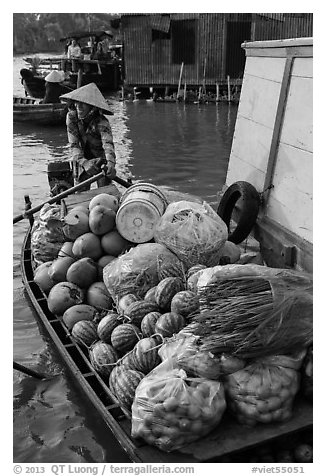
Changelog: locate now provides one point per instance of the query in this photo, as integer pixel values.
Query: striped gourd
(166, 289)
(128, 360)
(84, 332)
(169, 323)
(194, 269)
(106, 326)
(146, 356)
(123, 383)
(124, 337)
(137, 310)
(150, 295)
(125, 301)
(148, 323)
(184, 303)
(103, 357)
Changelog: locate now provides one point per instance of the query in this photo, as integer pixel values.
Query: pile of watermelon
(122, 338)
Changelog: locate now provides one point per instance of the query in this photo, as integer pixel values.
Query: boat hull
(41, 114)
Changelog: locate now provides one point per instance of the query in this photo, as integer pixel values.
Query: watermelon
(123, 383)
(124, 337)
(197, 267)
(84, 332)
(150, 295)
(103, 357)
(166, 289)
(106, 326)
(148, 323)
(169, 323)
(146, 356)
(138, 310)
(185, 303)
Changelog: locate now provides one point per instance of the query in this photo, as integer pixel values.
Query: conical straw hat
(54, 77)
(89, 94)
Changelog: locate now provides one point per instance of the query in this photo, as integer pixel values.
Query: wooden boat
(29, 110)
(277, 244)
(228, 439)
(105, 71)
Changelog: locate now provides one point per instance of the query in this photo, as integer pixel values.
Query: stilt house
(208, 45)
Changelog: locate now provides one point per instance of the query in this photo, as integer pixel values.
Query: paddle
(71, 190)
(27, 371)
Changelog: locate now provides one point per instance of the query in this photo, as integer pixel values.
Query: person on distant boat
(89, 134)
(74, 53)
(53, 88)
(31, 83)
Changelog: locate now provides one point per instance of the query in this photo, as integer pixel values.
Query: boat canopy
(84, 34)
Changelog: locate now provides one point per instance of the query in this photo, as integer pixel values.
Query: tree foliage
(37, 32)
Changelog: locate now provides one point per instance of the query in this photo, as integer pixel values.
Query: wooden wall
(272, 142)
(150, 62)
(274, 26)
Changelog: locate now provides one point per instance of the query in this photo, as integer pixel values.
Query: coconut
(75, 224)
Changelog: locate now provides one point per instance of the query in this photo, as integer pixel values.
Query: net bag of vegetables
(47, 234)
(264, 391)
(193, 231)
(136, 271)
(171, 410)
(186, 349)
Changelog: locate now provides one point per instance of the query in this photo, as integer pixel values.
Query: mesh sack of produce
(47, 235)
(193, 231)
(253, 311)
(171, 410)
(136, 271)
(186, 351)
(263, 392)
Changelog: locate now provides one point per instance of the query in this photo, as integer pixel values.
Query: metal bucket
(141, 207)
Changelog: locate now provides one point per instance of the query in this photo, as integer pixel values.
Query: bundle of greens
(254, 316)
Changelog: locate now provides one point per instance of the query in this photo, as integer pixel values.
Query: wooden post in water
(185, 92)
(217, 92)
(180, 77)
(229, 89)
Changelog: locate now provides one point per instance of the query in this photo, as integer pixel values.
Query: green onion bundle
(252, 317)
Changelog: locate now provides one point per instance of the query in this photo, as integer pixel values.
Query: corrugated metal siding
(150, 62)
(274, 26)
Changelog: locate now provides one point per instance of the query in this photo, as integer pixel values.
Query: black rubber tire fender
(249, 202)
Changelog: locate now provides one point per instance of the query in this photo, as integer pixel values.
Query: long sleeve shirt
(89, 140)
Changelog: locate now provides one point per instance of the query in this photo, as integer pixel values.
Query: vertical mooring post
(217, 92)
(229, 89)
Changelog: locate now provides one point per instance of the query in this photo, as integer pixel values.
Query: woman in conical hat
(53, 88)
(89, 134)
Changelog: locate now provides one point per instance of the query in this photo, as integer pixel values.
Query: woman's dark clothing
(90, 140)
(52, 93)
